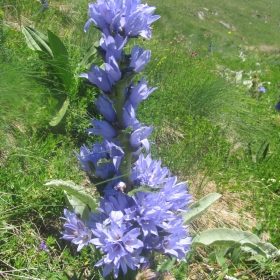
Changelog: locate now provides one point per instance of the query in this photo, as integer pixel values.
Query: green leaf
(235, 256)
(220, 256)
(36, 40)
(144, 189)
(61, 63)
(247, 241)
(199, 207)
(57, 119)
(74, 190)
(167, 265)
(73, 202)
(88, 57)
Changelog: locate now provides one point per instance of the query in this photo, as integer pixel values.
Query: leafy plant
(54, 53)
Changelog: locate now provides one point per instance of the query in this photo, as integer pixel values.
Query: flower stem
(125, 166)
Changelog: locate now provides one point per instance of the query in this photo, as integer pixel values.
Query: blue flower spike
(127, 229)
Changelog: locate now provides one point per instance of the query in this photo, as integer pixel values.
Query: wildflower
(112, 68)
(125, 17)
(89, 158)
(140, 135)
(175, 245)
(148, 172)
(43, 247)
(103, 13)
(115, 152)
(127, 228)
(105, 107)
(229, 32)
(176, 194)
(45, 5)
(102, 128)
(138, 21)
(83, 238)
(277, 107)
(262, 90)
(112, 45)
(119, 243)
(129, 116)
(72, 225)
(100, 78)
(139, 92)
(139, 58)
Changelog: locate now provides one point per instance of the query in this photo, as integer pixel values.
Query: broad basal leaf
(36, 40)
(74, 190)
(247, 241)
(57, 119)
(199, 207)
(61, 63)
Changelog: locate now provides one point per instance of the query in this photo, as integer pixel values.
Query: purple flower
(125, 17)
(176, 194)
(112, 67)
(151, 213)
(126, 228)
(277, 107)
(119, 244)
(102, 128)
(115, 152)
(100, 78)
(72, 225)
(176, 246)
(105, 170)
(262, 89)
(112, 45)
(44, 7)
(129, 116)
(139, 58)
(139, 137)
(105, 107)
(104, 13)
(43, 247)
(83, 238)
(103, 159)
(138, 20)
(89, 158)
(84, 158)
(149, 172)
(139, 93)
(115, 202)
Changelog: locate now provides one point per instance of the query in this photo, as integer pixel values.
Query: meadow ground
(210, 129)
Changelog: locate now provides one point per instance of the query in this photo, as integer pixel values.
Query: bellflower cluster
(127, 229)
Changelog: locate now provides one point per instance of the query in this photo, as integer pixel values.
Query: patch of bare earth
(228, 211)
(264, 49)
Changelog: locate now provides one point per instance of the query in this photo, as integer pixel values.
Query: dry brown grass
(229, 211)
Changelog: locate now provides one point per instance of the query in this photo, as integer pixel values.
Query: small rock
(224, 23)
(201, 15)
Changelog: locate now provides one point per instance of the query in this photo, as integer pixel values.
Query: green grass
(207, 126)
